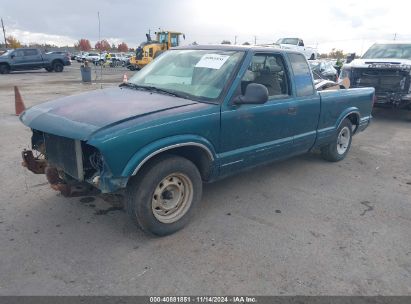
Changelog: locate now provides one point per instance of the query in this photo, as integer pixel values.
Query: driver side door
(255, 133)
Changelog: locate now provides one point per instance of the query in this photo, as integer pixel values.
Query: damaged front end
(71, 166)
(390, 80)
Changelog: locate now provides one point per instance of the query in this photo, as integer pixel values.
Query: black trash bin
(85, 73)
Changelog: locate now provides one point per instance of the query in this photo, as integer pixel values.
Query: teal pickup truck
(195, 114)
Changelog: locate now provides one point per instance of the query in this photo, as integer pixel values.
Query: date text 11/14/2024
(203, 299)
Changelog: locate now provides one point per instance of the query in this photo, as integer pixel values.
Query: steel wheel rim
(172, 198)
(343, 140)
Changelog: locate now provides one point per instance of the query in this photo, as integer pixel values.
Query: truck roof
(229, 47)
(393, 42)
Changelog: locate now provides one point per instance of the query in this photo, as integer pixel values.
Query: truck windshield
(197, 74)
(288, 41)
(6, 53)
(397, 51)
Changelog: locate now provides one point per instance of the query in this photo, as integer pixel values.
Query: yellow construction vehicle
(150, 49)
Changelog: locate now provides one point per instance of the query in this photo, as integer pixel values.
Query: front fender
(164, 144)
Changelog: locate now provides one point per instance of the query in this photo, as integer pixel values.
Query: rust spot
(34, 164)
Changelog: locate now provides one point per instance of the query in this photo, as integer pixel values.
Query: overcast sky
(349, 25)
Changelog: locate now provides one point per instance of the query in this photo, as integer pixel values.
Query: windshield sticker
(212, 61)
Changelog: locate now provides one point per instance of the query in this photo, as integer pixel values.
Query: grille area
(65, 154)
(383, 80)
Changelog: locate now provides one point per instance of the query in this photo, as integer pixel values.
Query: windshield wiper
(154, 89)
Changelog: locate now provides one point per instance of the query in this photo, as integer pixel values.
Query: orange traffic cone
(18, 101)
(125, 78)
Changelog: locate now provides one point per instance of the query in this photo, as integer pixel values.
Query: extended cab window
(302, 75)
(268, 70)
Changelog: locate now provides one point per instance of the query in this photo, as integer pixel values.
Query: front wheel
(4, 69)
(162, 197)
(339, 147)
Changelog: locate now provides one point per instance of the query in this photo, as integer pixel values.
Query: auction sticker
(212, 61)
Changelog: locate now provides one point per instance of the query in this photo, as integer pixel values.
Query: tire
(4, 69)
(49, 69)
(58, 67)
(339, 147)
(312, 57)
(162, 197)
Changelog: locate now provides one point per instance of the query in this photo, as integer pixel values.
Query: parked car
(74, 56)
(195, 114)
(386, 66)
(297, 44)
(32, 59)
(92, 57)
(82, 56)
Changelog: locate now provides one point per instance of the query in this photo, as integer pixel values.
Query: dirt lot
(303, 226)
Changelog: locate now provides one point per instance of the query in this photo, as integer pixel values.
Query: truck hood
(80, 116)
(386, 62)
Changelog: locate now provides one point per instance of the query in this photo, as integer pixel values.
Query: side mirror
(255, 93)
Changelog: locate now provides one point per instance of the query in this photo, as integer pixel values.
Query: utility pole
(99, 39)
(4, 33)
(235, 39)
(255, 40)
(395, 36)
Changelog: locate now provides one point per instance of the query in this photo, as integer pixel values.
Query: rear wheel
(312, 57)
(4, 69)
(58, 67)
(339, 147)
(162, 197)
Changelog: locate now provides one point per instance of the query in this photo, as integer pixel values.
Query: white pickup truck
(298, 45)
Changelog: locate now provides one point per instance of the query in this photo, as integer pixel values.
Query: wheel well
(197, 155)
(5, 63)
(355, 120)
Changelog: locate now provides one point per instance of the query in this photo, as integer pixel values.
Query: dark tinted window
(302, 75)
(30, 52)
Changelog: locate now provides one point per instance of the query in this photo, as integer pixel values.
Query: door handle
(292, 110)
